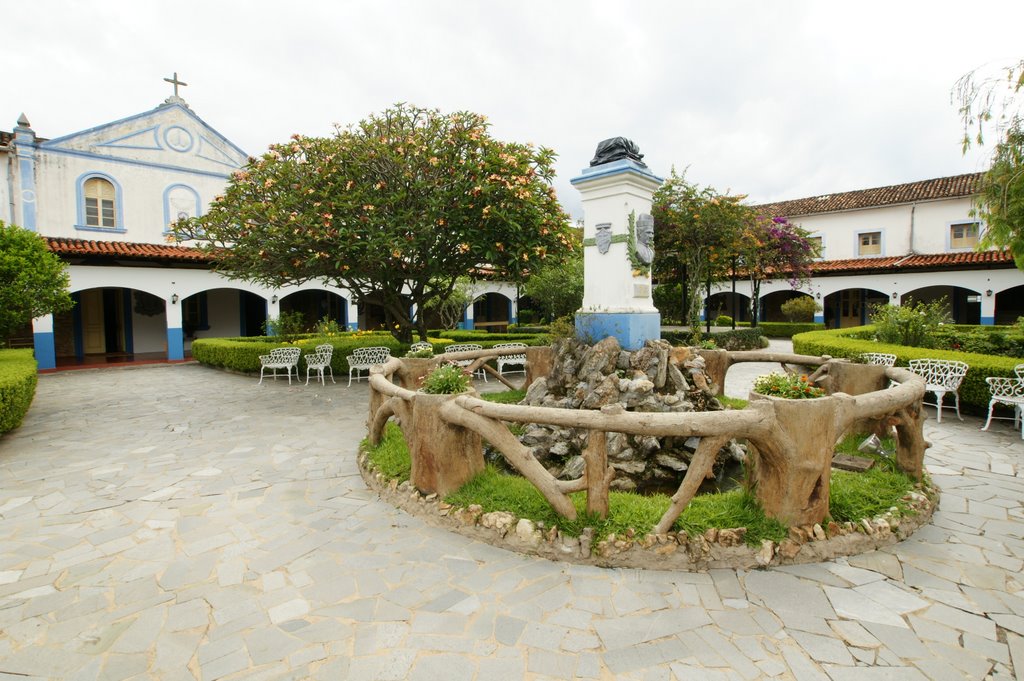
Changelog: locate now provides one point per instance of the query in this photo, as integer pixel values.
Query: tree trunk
(595, 456)
(444, 456)
(410, 376)
(716, 364)
(857, 379)
(792, 463)
(755, 303)
(910, 442)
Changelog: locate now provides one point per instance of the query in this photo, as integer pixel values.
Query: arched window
(100, 203)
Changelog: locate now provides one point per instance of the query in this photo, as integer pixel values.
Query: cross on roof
(175, 82)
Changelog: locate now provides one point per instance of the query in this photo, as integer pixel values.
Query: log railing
(790, 442)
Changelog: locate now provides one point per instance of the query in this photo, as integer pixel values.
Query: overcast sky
(777, 100)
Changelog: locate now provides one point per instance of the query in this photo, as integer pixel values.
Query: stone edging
(673, 551)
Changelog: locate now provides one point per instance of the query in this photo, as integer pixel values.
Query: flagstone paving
(177, 522)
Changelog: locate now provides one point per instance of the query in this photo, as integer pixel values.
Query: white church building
(104, 199)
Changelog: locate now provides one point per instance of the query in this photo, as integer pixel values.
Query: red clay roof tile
(126, 250)
(924, 190)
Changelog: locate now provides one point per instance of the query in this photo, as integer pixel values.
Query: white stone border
(674, 551)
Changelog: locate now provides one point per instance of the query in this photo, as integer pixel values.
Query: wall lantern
(174, 299)
(819, 295)
(988, 293)
(895, 295)
(273, 300)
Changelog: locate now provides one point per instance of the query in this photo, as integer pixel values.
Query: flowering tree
(696, 232)
(770, 247)
(395, 208)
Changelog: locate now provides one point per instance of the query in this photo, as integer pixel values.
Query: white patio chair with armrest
(420, 345)
(879, 358)
(281, 358)
(941, 376)
(516, 360)
(463, 347)
(318, 361)
(1010, 392)
(362, 359)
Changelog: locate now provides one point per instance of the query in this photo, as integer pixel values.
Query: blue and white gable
(170, 136)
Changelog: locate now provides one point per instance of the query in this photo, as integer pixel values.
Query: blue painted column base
(819, 319)
(631, 329)
(175, 344)
(46, 351)
(988, 321)
(353, 326)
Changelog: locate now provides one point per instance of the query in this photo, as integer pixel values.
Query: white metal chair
(879, 358)
(463, 347)
(1008, 391)
(516, 360)
(941, 376)
(362, 359)
(319, 361)
(281, 358)
(420, 345)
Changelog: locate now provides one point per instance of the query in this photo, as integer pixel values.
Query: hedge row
(740, 339)
(488, 340)
(17, 386)
(974, 390)
(243, 354)
(785, 329)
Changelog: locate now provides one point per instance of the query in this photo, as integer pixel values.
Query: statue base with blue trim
(631, 329)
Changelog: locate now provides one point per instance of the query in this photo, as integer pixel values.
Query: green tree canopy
(33, 281)
(395, 208)
(557, 289)
(994, 103)
(698, 229)
(772, 247)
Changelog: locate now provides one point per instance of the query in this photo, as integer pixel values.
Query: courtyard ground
(178, 522)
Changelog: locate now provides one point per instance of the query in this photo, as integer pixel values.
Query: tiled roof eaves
(124, 250)
(957, 186)
(915, 262)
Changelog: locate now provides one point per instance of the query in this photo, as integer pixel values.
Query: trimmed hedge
(17, 386)
(740, 339)
(785, 329)
(489, 340)
(243, 354)
(851, 343)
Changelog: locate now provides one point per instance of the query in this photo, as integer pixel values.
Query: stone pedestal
(617, 297)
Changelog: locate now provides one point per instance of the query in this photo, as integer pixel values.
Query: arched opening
(851, 307)
(1010, 305)
(771, 304)
(491, 312)
(315, 305)
(964, 305)
(111, 325)
(220, 313)
(725, 303)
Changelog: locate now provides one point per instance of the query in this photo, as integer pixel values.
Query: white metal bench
(362, 359)
(516, 360)
(420, 345)
(319, 361)
(281, 358)
(941, 376)
(1010, 392)
(464, 347)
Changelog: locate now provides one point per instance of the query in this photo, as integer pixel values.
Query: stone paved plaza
(178, 522)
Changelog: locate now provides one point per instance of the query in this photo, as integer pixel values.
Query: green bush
(447, 379)
(854, 342)
(17, 387)
(723, 320)
(800, 310)
(785, 329)
(1006, 341)
(909, 324)
(286, 324)
(740, 339)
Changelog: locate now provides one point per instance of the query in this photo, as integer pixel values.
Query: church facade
(104, 199)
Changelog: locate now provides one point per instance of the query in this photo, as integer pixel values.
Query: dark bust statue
(615, 148)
